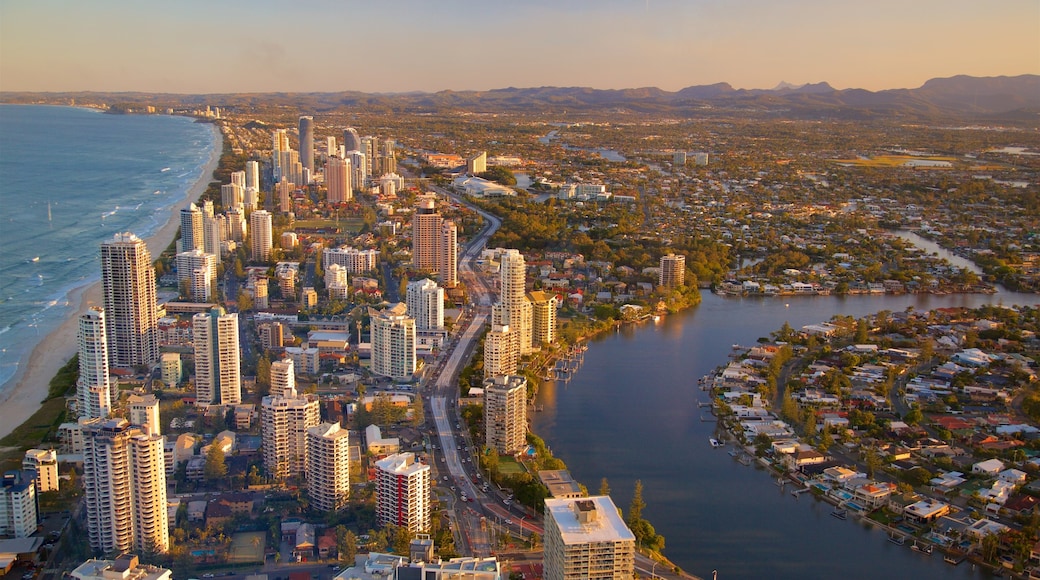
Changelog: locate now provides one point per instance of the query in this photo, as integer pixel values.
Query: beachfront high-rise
(285, 417)
(505, 414)
(124, 482)
(337, 180)
(393, 343)
(45, 463)
(307, 142)
(586, 538)
(18, 515)
(218, 379)
(93, 389)
(673, 270)
(196, 271)
(403, 492)
(261, 235)
(131, 314)
(191, 228)
(328, 466)
(513, 308)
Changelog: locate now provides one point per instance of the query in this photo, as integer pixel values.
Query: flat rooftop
(605, 525)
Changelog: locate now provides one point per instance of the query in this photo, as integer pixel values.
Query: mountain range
(1014, 99)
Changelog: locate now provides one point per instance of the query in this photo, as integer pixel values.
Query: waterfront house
(873, 495)
(926, 511)
(984, 527)
(804, 456)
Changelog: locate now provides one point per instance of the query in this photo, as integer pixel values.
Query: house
(1013, 476)
(984, 527)
(926, 511)
(873, 495)
(238, 503)
(197, 511)
(988, 467)
(217, 514)
(803, 457)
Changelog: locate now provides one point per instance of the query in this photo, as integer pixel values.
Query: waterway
(631, 413)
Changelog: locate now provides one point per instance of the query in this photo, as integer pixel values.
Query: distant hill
(1005, 99)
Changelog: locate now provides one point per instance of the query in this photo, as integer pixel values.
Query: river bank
(30, 381)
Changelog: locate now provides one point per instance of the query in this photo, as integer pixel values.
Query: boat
(35, 259)
(715, 442)
(841, 514)
(896, 539)
(923, 548)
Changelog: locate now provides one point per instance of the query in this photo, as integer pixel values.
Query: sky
(224, 46)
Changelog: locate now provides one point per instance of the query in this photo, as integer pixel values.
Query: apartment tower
(131, 315)
(403, 493)
(261, 233)
(285, 417)
(393, 343)
(191, 228)
(505, 413)
(586, 538)
(425, 303)
(93, 389)
(513, 308)
(218, 379)
(328, 466)
(307, 143)
(673, 271)
(337, 180)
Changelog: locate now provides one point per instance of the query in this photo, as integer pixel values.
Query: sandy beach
(30, 382)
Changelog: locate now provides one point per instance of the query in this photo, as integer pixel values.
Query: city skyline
(234, 46)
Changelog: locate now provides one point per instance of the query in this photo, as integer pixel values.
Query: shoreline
(30, 383)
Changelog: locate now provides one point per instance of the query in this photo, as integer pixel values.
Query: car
(209, 575)
(445, 478)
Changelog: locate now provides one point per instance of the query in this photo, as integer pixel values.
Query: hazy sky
(215, 46)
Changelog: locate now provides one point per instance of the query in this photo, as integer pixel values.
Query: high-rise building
(477, 164)
(218, 379)
(543, 317)
(359, 166)
(448, 255)
(586, 538)
(214, 234)
(673, 270)
(355, 261)
(45, 463)
(271, 335)
(93, 389)
(284, 419)
(191, 228)
(144, 413)
(18, 515)
(172, 369)
(284, 194)
(279, 143)
(131, 314)
(425, 304)
(261, 235)
(426, 233)
(124, 481)
(351, 140)
(403, 492)
(328, 466)
(253, 174)
(196, 271)
(337, 180)
(283, 378)
(501, 351)
(505, 414)
(330, 146)
(232, 195)
(513, 308)
(393, 343)
(307, 142)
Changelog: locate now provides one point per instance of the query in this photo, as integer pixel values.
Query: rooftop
(602, 521)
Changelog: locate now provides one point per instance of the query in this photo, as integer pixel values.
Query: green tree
(604, 487)
(635, 509)
(346, 544)
(215, 469)
(244, 301)
(861, 331)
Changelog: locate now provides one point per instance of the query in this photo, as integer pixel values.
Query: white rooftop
(605, 526)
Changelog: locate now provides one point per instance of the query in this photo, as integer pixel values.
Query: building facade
(403, 492)
(425, 303)
(586, 538)
(261, 235)
(543, 317)
(93, 389)
(191, 228)
(18, 514)
(196, 271)
(393, 343)
(218, 379)
(307, 143)
(673, 271)
(45, 463)
(505, 414)
(131, 314)
(338, 180)
(328, 466)
(285, 418)
(501, 351)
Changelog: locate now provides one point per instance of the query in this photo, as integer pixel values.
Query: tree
(861, 331)
(346, 544)
(913, 416)
(604, 487)
(635, 509)
(244, 301)
(215, 468)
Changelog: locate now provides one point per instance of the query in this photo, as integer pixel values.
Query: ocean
(69, 179)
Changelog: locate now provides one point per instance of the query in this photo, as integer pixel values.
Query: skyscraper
(124, 481)
(393, 343)
(285, 417)
(18, 515)
(513, 307)
(261, 235)
(337, 180)
(586, 538)
(217, 374)
(253, 174)
(425, 302)
(448, 255)
(144, 413)
(191, 228)
(543, 317)
(328, 466)
(131, 315)
(403, 492)
(307, 142)
(351, 140)
(196, 271)
(426, 231)
(505, 413)
(673, 270)
(93, 390)
(501, 351)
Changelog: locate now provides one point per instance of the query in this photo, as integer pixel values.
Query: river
(631, 413)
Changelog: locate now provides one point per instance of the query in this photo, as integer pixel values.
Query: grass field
(508, 466)
(244, 550)
(890, 161)
(351, 224)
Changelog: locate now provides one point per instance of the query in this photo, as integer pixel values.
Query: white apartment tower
(144, 413)
(131, 314)
(393, 343)
(403, 492)
(673, 270)
(284, 420)
(261, 235)
(196, 271)
(543, 317)
(283, 378)
(501, 351)
(18, 515)
(218, 379)
(505, 414)
(93, 389)
(425, 303)
(253, 174)
(214, 234)
(328, 466)
(232, 195)
(124, 481)
(448, 253)
(513, 307)
(45, 463)
(191, 228)
(337, 180)
(586, 538)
